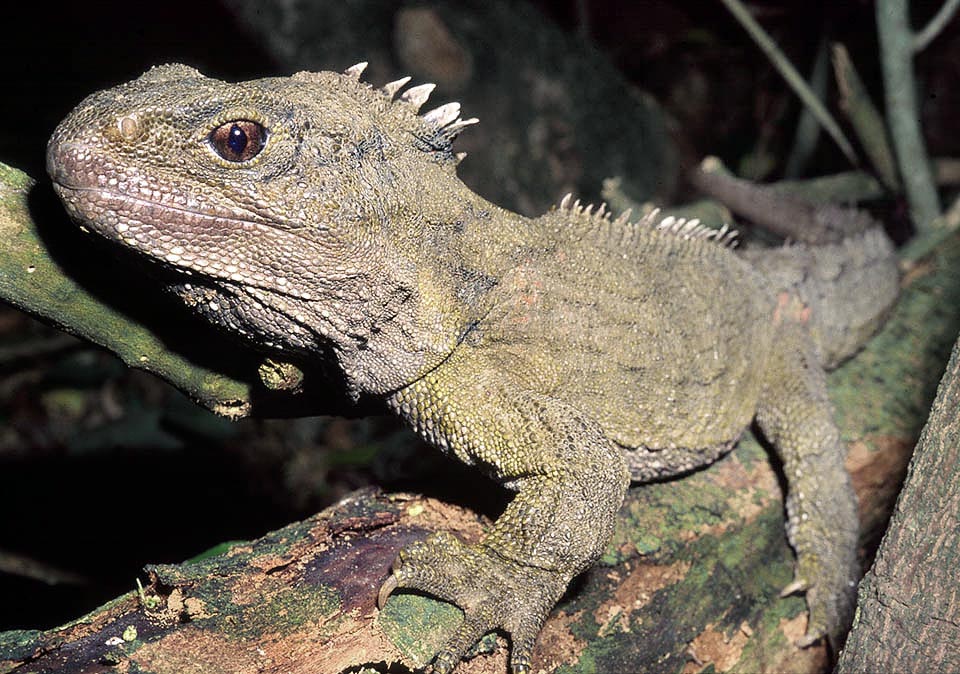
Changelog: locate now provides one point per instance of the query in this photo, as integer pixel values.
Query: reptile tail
(849, 287)
(843, 267)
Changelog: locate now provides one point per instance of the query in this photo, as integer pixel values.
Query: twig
(808, 130)
(896, 54)
(924, 37)
(865, 118)
(793, 78)
(848, 187)
(919, 247)
(775, 209)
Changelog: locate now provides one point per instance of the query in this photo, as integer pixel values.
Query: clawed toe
(389, 585)
(793, 587)
(830, 602)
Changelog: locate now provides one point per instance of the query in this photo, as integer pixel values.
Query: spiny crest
(691, 229)
(444, 120)
(680, 227)
(566, 204)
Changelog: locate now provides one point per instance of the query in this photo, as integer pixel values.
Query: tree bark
(908, 601)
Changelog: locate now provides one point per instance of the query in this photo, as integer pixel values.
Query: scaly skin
(563, 355)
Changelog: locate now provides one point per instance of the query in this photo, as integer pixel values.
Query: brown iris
(238, 141)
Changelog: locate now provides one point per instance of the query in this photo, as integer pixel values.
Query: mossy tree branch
(36, 282)
(42, 267)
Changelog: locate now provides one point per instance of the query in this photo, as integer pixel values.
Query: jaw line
(114, 197)
(187, 272)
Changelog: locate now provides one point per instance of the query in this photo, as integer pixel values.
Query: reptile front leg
(570, 482)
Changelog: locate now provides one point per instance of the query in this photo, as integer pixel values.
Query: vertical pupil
(237, 139)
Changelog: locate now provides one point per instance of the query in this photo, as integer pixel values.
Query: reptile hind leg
(570, 482)
(796, 416)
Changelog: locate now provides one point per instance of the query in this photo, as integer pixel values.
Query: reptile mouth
(96, 204)
(181, 239)
(169, 226)
(101, 190)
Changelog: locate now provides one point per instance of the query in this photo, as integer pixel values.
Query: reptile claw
(808, 640)
(389, 585)
(793, 587)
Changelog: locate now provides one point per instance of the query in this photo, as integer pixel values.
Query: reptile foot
(494, 592)
(830, 598)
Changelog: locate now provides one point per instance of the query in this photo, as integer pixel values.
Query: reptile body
(564, 355)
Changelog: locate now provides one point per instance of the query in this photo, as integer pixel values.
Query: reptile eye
(238, 141)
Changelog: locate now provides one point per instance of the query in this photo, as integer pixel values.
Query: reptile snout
(66, 162)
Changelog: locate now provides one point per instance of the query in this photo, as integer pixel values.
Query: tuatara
(564, 355)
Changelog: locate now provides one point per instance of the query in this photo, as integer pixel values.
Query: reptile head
(281, 201)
